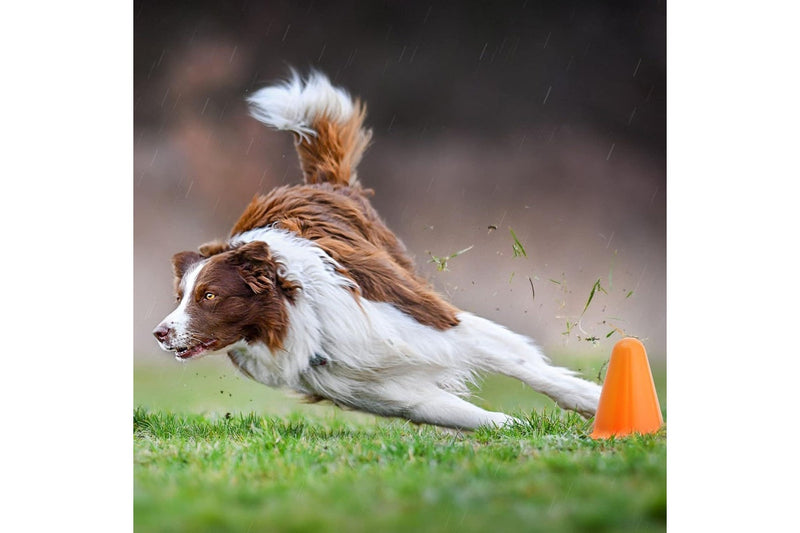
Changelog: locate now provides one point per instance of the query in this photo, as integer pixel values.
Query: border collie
(312, 292)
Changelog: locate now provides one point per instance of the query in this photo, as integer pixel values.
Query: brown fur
(213, 248)
(331, 156)
(180, 264)
(341, 221)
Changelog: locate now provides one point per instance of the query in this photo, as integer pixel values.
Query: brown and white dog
(314, 293)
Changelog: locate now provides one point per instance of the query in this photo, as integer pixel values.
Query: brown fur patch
(333, 154)
(181, 262)
(341, 221)
(213, 248)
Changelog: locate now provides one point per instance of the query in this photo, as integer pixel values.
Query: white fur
(381, 360)
(178, 320)
(294, 104)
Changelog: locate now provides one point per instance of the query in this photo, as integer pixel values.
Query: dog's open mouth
(187, 352)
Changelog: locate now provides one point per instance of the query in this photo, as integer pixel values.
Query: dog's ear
(182, 261)
(213, 248)
(255, 265)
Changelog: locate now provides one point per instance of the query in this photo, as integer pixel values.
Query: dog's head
(226, 294)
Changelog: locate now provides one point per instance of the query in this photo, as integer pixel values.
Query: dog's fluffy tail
(327, 123)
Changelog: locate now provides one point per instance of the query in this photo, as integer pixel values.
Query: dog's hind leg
(560, 384)
(495, 349)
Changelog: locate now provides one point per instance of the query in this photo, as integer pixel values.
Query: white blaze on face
(178, 320)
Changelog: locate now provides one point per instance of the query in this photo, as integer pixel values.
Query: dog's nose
(161, 332)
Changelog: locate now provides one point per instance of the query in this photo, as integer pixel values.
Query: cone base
(625, 433)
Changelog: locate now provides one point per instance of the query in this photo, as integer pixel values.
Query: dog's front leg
(438, 407)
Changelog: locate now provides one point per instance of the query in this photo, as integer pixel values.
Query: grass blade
(517, 247)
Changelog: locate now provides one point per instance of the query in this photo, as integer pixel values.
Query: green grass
(214, 452)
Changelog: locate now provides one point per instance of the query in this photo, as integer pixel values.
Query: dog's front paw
(502, 420)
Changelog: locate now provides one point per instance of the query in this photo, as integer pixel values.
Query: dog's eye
(210, 296)
(178, 298)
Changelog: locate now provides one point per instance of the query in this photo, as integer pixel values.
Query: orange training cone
(628, 401)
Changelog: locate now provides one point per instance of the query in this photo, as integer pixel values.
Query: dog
(312, 291)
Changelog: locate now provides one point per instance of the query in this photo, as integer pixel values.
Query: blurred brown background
(546, 118)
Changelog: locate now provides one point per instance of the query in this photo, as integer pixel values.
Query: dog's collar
(318, 360)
